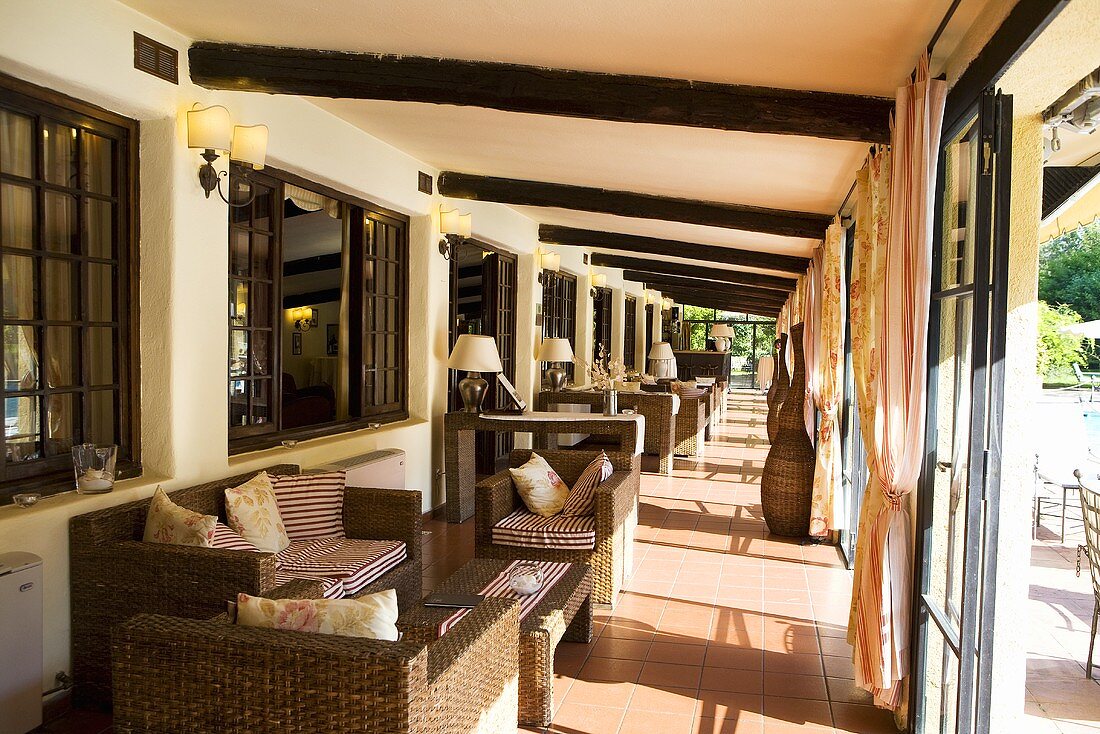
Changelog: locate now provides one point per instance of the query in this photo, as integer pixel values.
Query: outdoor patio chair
(1090, 511)
(192, 676)
(1091, 380)
(602, 540)
(1062, 448)
(115, 574)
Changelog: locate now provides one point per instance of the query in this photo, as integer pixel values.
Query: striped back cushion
(312, 505)
(582, 497)
(227, 538)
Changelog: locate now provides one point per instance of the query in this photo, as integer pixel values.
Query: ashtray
(627, 412)
(525, 579)
(26, 499)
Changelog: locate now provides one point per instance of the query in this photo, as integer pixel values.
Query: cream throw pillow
(539, 485)
(373, 616)
(167, 522)
(252, 511)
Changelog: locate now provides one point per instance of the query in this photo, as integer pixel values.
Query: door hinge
(987, 157)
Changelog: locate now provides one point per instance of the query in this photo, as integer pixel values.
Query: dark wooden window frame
(630, 331)
(54, 474)
(242, 441)
(602, 329)
(559, 310)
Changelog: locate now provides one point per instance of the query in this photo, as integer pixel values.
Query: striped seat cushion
(312, 505)
(354, 562)
(527, 529)
(334, 588)
(227, 538)
(582, 497)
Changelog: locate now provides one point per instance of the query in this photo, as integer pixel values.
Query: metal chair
(1091, 380)
(1060, 449)
(1090, 511)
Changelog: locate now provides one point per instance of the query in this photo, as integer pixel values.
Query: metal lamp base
(556, 377)
(472, 389)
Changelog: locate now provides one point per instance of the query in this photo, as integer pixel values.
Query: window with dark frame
(68, 177)
(559, 310)
(630, 330)
(601, 326)
(318, 311)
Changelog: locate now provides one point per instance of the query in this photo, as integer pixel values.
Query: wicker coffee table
(565, 612)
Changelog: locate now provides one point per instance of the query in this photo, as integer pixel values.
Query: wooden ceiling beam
(657, 282)
(663, 267)
(554, 234)
(738, 306)
(538, 90)
(630, 204)
(717, 296)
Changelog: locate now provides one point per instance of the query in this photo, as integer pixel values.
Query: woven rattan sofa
(613, 524)
(189, 676)
(115, 575)
(692, 421)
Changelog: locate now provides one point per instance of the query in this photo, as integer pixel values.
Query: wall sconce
(549, 262)
(455, 227)
(666, 304)
(599, 280)
(303, 318)
(211, 130)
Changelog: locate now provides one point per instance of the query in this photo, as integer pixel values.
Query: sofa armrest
(384, 514)
(490, 628)
(614, 500)
(494, 499)
(178, 573)
(183, 675)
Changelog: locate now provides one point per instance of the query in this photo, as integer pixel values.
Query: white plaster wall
(85, 49)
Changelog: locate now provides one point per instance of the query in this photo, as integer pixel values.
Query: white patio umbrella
(1088, 329)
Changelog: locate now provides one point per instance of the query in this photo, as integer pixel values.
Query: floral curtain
(872, 218)
(828, 381)
(902, 314)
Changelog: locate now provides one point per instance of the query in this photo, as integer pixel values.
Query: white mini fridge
(20, 642)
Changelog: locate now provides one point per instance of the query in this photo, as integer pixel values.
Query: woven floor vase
(786, 487)
(780, 384)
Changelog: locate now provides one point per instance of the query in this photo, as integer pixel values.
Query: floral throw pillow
(540, 487)
(252, 511)
(167, 522)
(373, 615)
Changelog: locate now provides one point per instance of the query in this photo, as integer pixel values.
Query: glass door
(960, 484)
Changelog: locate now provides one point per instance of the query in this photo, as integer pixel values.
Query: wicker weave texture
(778, 390)
(691, 424)
(191, 676)
(786, 487)
(616, 515)
(564, 613)
(115, 575)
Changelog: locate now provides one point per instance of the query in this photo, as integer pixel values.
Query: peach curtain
(811, 316)
(872, 215)
(828, 380)
(902, 305)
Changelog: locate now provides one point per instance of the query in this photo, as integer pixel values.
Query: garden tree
(1058, 351)
(1069, 271)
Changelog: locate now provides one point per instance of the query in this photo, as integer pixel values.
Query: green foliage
(1069, 271)
(1058, 351)
(696, 313)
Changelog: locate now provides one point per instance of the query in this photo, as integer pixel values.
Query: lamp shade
(721, 330)
(599, 280)
(551, 261)
(475, 353)
(209, 128)
(661, 350)
(249, 145)
(555, 350)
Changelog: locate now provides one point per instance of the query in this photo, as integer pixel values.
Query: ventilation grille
(155, 58)
(424, 183)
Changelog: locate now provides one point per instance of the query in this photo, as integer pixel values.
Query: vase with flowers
(604, 374)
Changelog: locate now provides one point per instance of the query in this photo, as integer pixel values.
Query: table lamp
(661, 352)
(722, 334)
(555, 351)
(475, 354)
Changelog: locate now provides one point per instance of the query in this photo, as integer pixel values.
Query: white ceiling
(857, 46)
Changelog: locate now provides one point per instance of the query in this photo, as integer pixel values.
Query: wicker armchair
(691, 422)
(190, 676)
(115, 575)
(616, 518)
